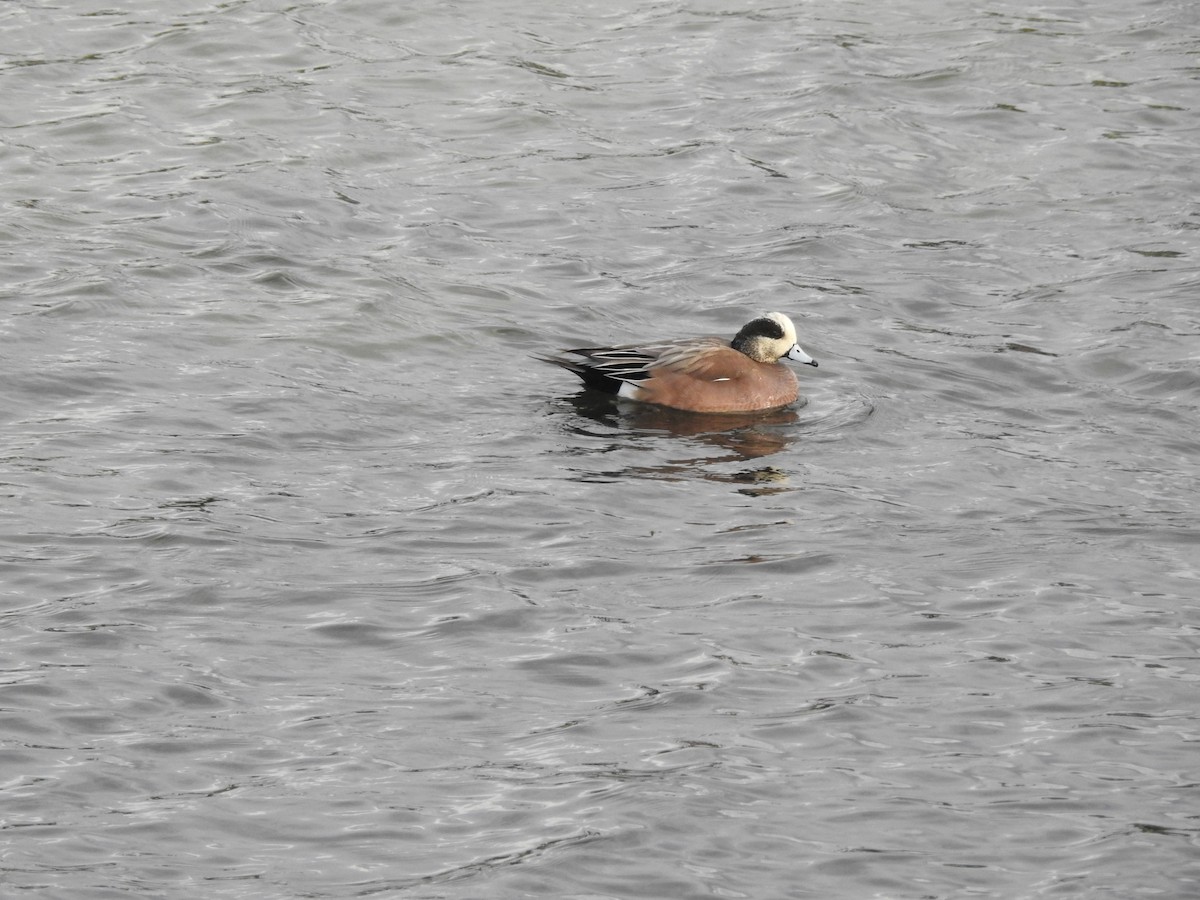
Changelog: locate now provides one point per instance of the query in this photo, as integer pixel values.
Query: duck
(700, 374)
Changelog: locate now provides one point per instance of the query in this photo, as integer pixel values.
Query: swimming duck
(704, 374)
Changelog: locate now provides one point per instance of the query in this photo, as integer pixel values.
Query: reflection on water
(704, 440)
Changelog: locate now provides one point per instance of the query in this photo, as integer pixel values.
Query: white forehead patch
(789, 330)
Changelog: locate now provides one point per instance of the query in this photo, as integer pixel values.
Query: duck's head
(771, 338)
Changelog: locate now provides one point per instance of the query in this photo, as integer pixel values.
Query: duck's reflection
(735, 437)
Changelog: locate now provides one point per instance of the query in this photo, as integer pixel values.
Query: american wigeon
(706, 374)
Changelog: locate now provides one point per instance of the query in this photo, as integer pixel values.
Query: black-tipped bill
(800, 356)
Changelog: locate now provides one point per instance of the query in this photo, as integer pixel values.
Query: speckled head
(771, 338)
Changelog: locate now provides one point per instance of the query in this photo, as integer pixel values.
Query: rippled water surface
(313, 583)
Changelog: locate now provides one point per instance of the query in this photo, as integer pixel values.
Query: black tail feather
(591, 377)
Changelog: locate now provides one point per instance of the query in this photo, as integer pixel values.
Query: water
(316, 585)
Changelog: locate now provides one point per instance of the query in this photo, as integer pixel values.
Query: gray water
(313, 583)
